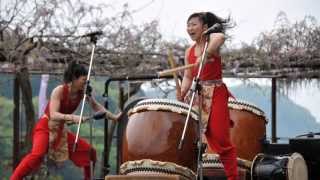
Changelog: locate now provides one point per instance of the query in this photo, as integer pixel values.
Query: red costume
(41, 143)
(218, 128)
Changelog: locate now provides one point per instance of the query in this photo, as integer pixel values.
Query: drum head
(164, 105)
(297, 168)
(246, 106)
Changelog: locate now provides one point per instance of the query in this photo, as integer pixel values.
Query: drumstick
(173, 70)
(173, 65)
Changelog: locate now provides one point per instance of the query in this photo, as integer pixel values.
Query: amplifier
(309, 148)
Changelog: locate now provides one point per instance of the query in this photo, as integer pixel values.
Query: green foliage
(6, 107)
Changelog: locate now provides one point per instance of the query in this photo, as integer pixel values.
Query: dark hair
(74, 71)
(210, 19)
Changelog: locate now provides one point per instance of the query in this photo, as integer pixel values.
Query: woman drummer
(214, 92)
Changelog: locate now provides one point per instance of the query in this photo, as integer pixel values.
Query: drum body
(284, 167)
(154, 130)
(248, 128)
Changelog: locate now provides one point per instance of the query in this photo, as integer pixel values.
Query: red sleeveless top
(210, 71)
(67, 106)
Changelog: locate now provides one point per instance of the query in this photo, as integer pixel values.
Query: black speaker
(309, 147)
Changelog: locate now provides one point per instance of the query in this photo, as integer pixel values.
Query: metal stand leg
(93, 39)
(200, 150)
(196, 88)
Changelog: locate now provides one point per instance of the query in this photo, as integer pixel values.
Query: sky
(251, 16)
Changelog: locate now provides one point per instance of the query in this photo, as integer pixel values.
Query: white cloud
(252, 16)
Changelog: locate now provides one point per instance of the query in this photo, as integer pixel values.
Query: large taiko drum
(154, 130)
(248, 128)
(285, 167)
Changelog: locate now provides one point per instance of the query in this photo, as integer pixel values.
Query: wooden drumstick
(173, 65)
(173, 70)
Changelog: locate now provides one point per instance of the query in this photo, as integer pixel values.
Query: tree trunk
(22, 75)
(16, 123)
(24, 82)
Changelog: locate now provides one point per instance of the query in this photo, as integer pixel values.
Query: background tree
(289, 49)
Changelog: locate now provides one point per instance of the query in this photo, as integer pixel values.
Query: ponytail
(74, 71)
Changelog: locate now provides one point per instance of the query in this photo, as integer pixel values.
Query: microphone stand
(93, 40)
(196, 88)
(91, 120)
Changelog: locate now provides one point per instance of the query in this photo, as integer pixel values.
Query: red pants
(218, 131)
(31, 162)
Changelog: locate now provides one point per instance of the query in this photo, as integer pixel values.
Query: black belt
(211, 82)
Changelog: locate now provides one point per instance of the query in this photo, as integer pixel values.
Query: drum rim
(164, 104)
(155, 165)
(244, 105)
(242, 163)
(163, 100)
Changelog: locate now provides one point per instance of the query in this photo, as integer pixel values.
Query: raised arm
(216, 40)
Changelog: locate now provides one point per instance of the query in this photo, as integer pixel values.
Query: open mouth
(192, 34)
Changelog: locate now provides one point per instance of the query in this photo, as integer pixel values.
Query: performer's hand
(198, 59)
(76, 118)
(118, 116)
(179, 96)
(88, 90)
(92, 95)
(113, 117)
